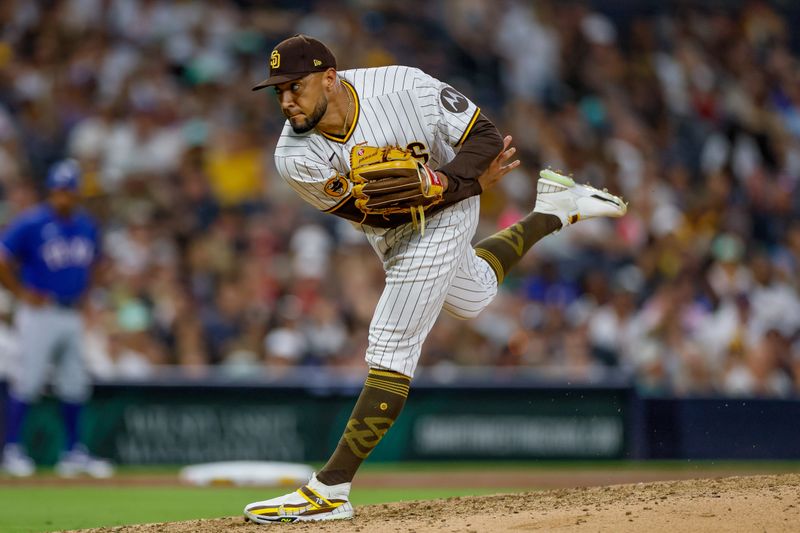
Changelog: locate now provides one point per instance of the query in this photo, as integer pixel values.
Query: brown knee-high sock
(505, 248)
(376, 409)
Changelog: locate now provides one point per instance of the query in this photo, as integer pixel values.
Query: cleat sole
(556, 177)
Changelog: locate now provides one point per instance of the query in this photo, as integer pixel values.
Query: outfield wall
(515, 418)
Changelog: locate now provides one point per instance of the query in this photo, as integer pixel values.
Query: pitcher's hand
(498, 168)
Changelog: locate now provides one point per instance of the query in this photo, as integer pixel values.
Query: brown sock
(376, 409)
(505, 248)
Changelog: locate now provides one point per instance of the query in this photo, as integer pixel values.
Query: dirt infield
(756, 503)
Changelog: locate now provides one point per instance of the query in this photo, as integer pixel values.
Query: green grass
(27, 509)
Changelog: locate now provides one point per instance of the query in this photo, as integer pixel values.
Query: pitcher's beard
(311, 122)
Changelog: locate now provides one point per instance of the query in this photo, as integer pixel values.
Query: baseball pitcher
(46, 259)
(404, 157)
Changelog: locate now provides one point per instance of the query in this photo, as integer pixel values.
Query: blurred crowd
(212, 263)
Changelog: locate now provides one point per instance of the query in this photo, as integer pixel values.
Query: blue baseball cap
(64, 175)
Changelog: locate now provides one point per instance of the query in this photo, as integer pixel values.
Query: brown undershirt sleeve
(482, 145)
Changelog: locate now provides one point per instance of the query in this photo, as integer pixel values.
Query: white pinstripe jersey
(394, 105)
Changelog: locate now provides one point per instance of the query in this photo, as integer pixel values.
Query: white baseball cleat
(16, 462)
(311, 502)
(559, 195)
(78, 461)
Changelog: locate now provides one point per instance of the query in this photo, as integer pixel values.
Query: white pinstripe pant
(423, 275)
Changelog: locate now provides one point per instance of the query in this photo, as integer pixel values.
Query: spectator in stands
(695, 115)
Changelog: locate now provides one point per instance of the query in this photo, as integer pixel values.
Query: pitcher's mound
(755, 503)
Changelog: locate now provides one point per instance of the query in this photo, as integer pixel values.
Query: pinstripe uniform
(405, 107)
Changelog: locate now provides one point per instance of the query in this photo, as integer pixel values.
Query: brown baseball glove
(389, 180)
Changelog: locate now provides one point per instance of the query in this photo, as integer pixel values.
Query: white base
(247, 473)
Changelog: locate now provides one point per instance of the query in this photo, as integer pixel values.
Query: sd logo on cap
(296, 57)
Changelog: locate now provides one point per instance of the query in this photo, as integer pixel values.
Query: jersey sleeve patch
(319, 184)
(337, 186)
(452, 100)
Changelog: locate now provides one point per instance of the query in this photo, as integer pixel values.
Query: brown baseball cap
(296, 57)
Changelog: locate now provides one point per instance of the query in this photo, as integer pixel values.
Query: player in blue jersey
(47, 256)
